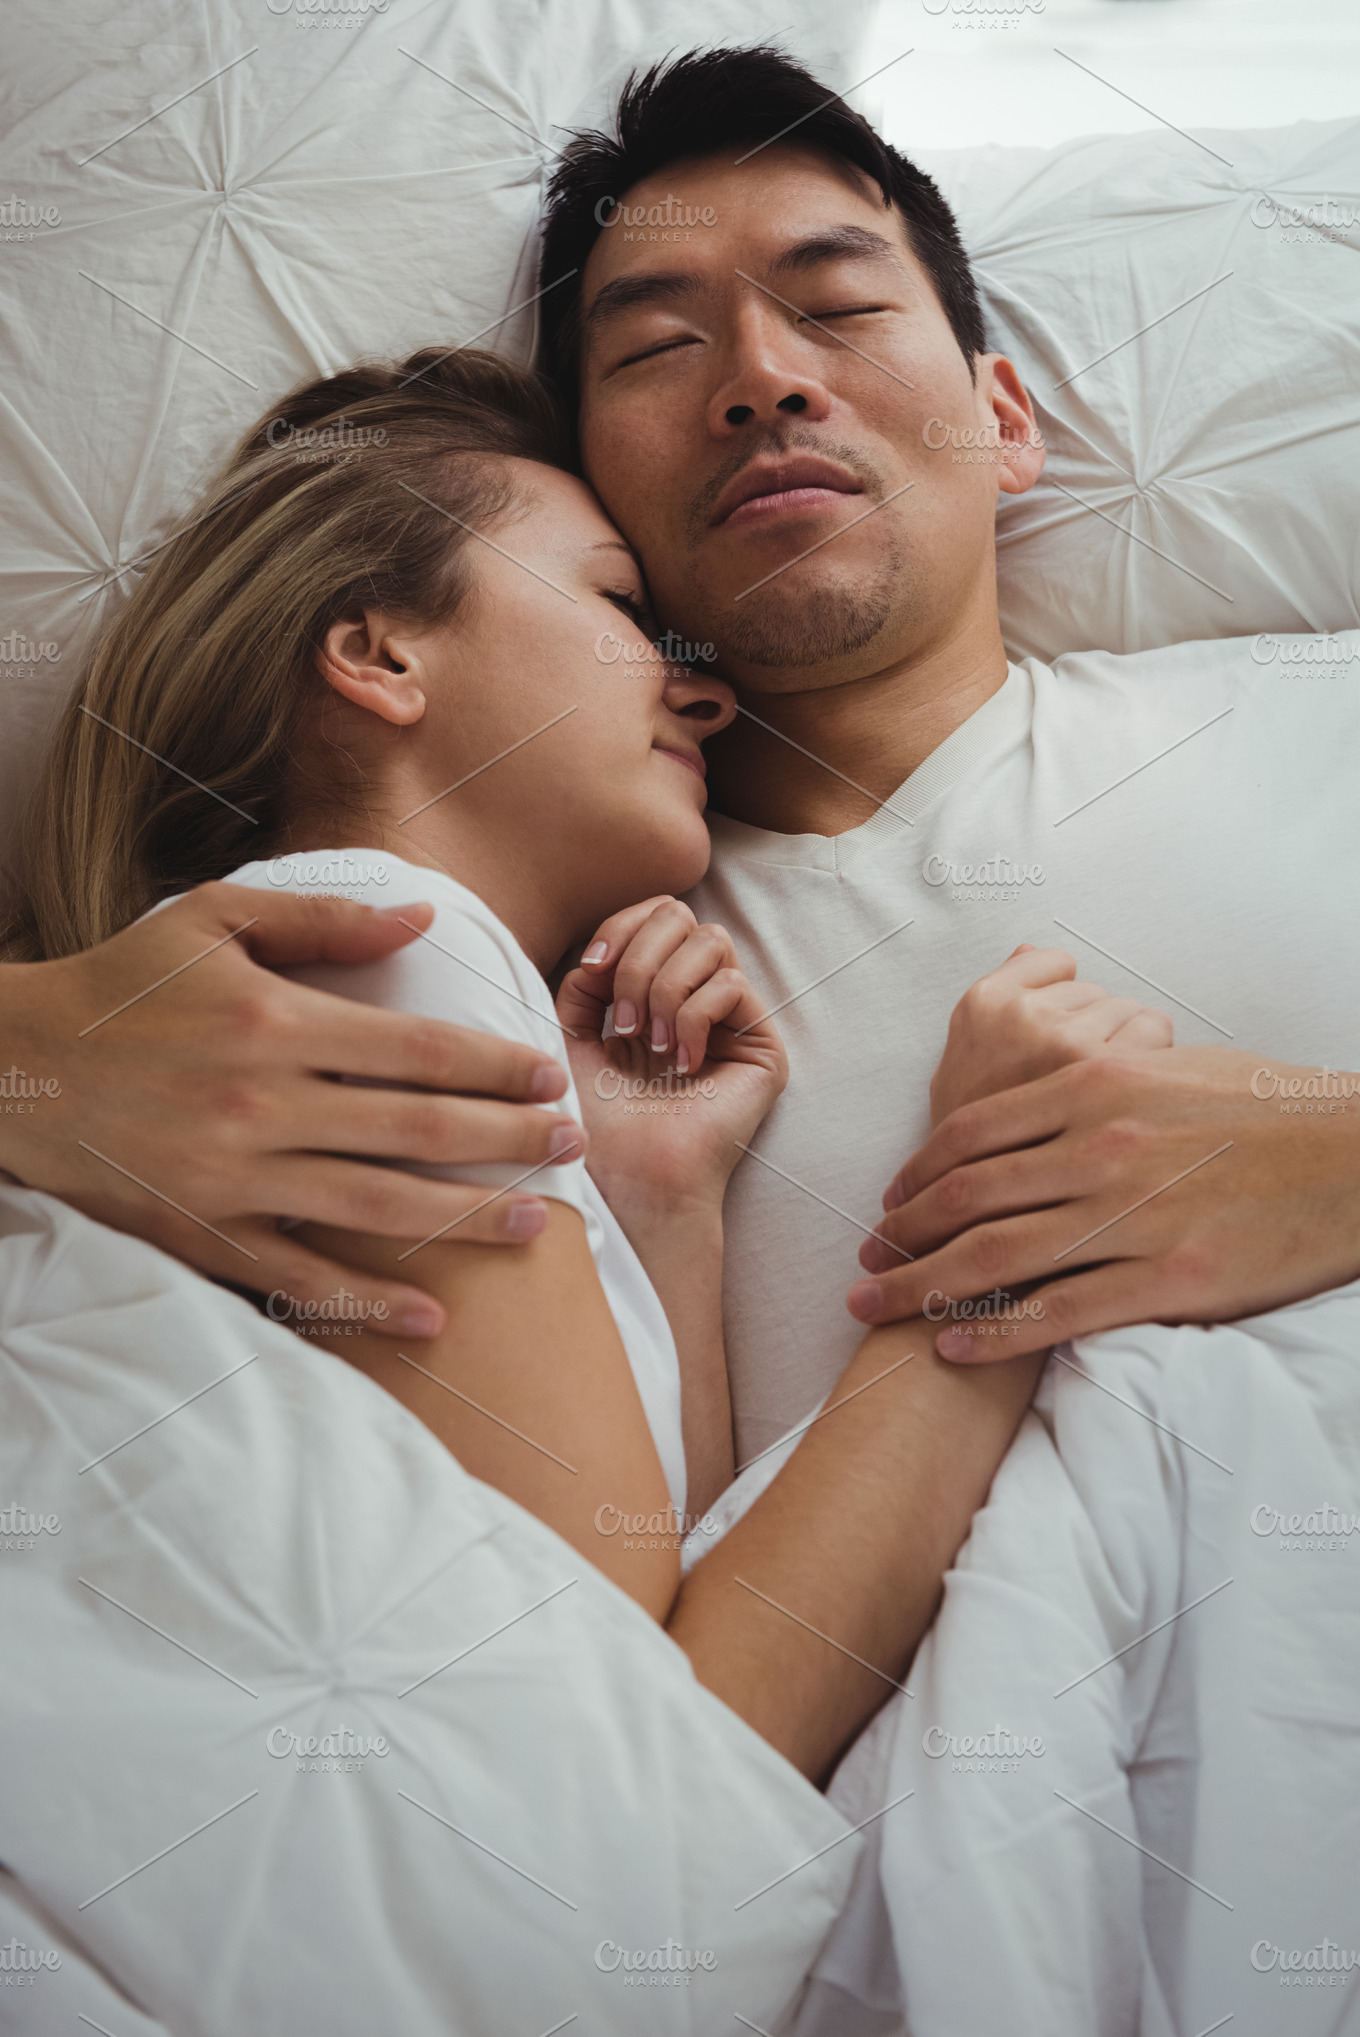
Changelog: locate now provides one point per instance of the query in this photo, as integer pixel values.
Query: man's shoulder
(1282, 681)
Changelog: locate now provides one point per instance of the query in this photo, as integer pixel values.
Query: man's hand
(1028, 1018)
(1180, 1186)
(189, 1096)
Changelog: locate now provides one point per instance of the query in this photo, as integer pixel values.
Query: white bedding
(291, 1552)
(1125, 1784)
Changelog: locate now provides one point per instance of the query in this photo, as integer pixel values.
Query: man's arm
(170, 1085)
(1200, 1184)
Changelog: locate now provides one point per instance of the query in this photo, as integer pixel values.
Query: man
(229, 1122)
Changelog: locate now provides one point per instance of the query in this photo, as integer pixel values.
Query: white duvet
(302, 1728)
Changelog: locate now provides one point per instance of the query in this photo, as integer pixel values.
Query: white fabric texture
(330, 194)
(1211, 880)
(1124, 1787)
(468, 969)
(239, 1536)
(1185, 314)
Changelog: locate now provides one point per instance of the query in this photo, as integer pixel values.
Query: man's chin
(790, 628)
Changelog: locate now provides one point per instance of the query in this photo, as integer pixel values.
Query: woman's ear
(361, 660)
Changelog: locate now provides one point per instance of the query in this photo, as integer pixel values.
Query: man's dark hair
(696, 105)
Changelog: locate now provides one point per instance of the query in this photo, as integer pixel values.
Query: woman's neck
(511, 883)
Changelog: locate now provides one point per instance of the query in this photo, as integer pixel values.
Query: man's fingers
(1145, 1032)
(346, 1038)
(993, 1124)
(1033, 968)
(351, 1196)
(1001, 1253)
(1102, 1299)
(324, 1301)
(1004, 1185)
(289, 928)
(395, 1124)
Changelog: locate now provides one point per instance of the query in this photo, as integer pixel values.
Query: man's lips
(771, 488)
(690, 760)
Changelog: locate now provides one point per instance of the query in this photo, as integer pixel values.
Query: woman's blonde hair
(168, 765)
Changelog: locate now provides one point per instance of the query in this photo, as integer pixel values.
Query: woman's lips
(787, 501)
(690, 763)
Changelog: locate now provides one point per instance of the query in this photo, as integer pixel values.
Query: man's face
(752, 389)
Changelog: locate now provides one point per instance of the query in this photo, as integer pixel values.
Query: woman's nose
(698, 697)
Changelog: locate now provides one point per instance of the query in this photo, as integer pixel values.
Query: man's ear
(1021, 446)
(363, 661)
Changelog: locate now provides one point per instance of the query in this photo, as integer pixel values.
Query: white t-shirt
(469, 969)
(1222, 882)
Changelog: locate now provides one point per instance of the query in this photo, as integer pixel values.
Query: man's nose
(765, 383)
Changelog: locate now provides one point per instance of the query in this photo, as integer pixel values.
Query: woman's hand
(1029, 1018)
(694, 1063)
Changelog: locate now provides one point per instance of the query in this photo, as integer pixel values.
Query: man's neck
(822, 762)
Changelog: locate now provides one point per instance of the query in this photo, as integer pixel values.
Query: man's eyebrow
(834, 244)
(626, 293)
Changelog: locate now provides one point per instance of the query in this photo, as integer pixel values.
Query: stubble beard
(783, 624)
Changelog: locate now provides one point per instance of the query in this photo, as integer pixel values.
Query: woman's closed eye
(633, 604)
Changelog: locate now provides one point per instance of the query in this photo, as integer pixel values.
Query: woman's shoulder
(465, 966)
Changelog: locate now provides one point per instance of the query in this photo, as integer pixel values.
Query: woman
(381, 657)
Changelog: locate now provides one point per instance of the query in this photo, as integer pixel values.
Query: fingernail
(525, 1220)
(954, 1344)
(660, 1036)
(682, 1060)
(892, 1195)
(596, 952)
(625, 1017)
(873, 1255)
(865, 1300)
(565, 1143)
(550, 1079)
(420, 1319)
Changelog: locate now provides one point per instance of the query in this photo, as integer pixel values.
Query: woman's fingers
(705, 955)
(665, 930)
(725, 999)
(611, 937)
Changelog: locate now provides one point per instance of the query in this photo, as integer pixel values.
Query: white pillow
(328, 195)
(1201, 478)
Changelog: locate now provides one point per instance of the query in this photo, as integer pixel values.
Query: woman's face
(549, 669)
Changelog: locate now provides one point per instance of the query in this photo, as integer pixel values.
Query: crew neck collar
(1003, 715)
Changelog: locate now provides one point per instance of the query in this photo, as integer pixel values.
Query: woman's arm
(804, 1617)
(807, 1614)
(670, 1099)
(529, 1386)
